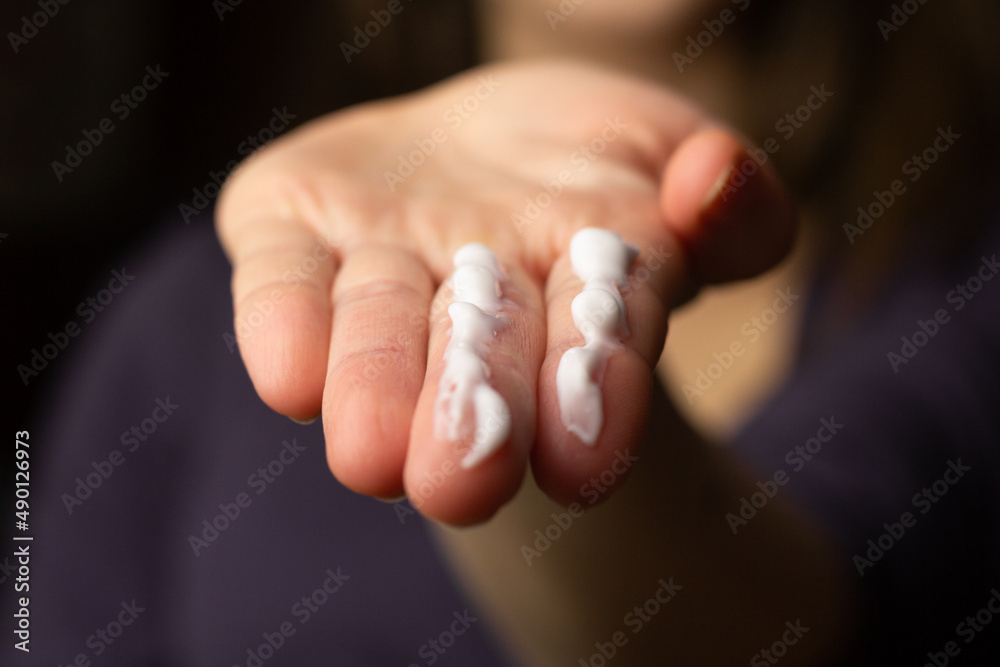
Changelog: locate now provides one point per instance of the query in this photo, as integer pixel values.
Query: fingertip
(284, 347)
(376, 368)
(442, 490)
(501, 410)
(478, 504)
(567, 469)
(367, 433)
(436, 481)
(693, 175)
(727, 206)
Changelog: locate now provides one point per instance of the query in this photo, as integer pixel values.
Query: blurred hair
(893, 90)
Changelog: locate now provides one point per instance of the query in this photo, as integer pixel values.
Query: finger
(564, 465)
(281, 287)
(378, 358)
(727, 206)
(436, 481)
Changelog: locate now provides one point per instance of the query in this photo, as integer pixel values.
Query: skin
(359, 337)
(323, 187)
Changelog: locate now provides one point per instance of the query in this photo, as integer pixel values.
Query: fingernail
(736, 194)
(720, 182)
(746, 223)
(305, 422)
(391, 501)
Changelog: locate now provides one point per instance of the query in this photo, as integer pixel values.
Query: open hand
(342, 234)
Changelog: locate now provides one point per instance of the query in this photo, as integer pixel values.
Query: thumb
(732, 215)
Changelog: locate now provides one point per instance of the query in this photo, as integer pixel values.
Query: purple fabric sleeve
(897, 458)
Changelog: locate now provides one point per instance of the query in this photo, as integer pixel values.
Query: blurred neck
(640, 38)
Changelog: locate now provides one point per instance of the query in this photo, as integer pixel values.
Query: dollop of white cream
(466, 404)
(600, 259)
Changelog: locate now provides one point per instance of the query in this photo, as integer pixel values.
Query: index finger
(573, 461)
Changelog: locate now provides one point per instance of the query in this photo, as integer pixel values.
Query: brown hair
(900, 72)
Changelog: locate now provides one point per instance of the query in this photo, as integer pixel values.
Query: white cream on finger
(466, 404)
(600, 259)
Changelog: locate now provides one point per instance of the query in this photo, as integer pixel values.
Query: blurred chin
(636, 18)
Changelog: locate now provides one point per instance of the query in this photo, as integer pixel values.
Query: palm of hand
(348, 227)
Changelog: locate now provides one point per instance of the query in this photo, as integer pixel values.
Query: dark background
(60, 240)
